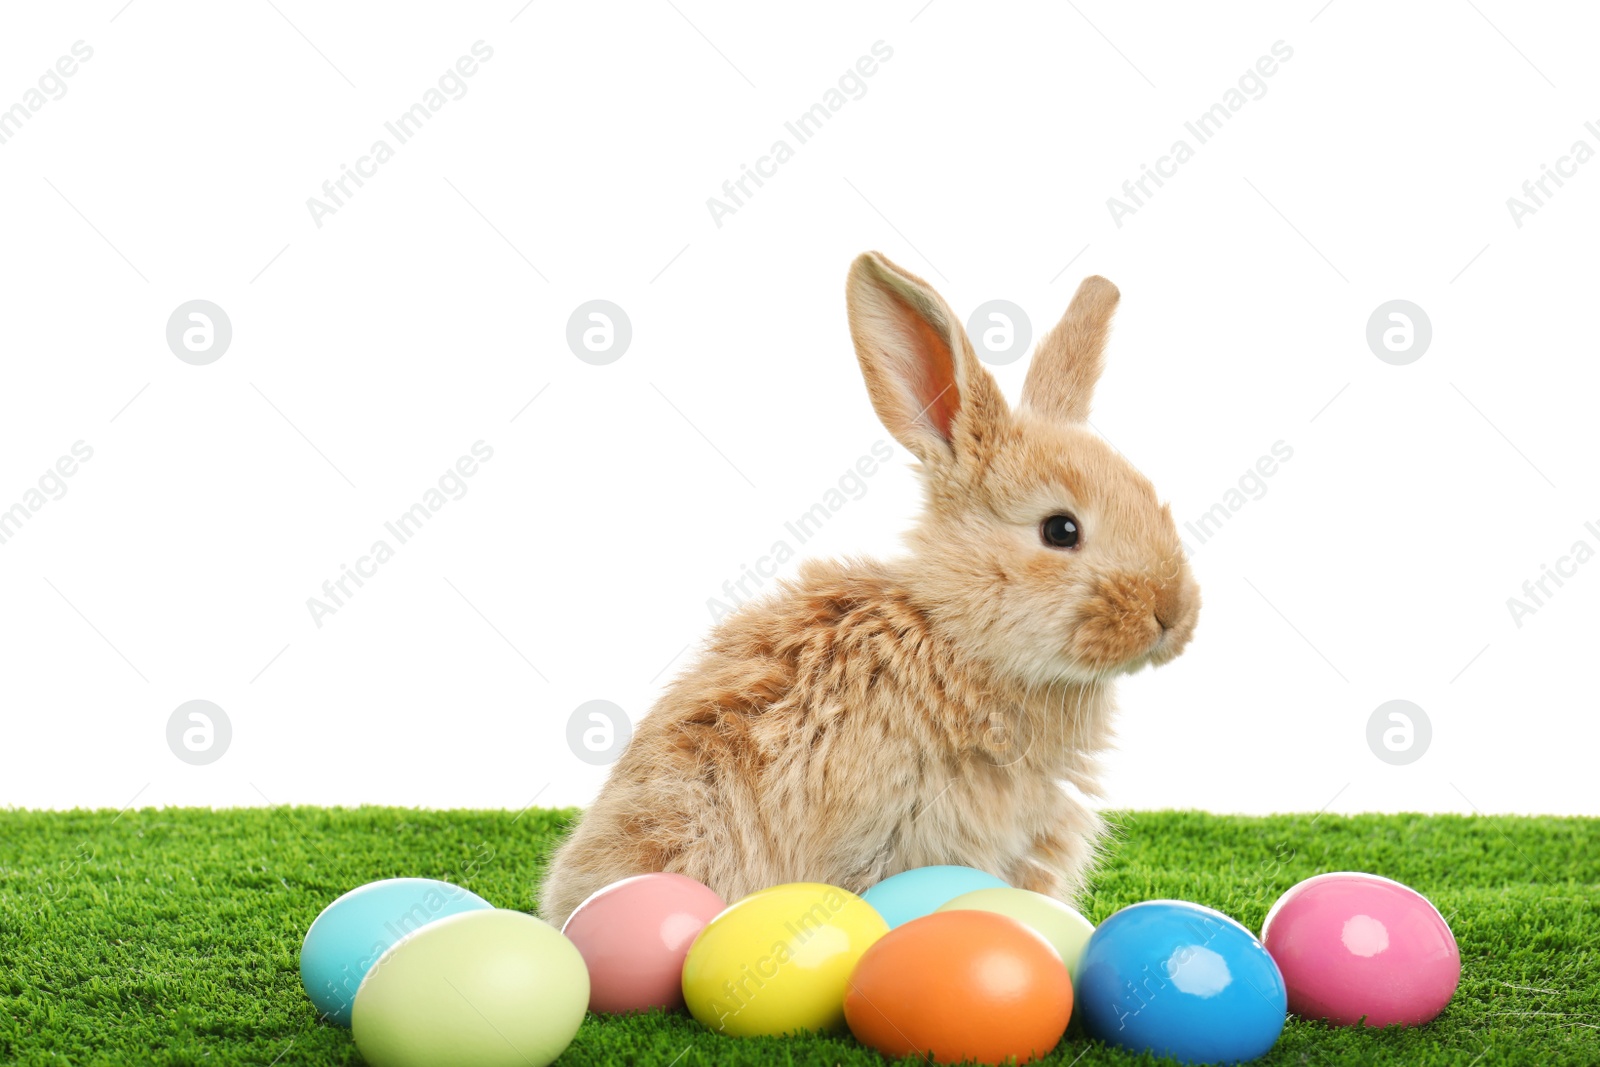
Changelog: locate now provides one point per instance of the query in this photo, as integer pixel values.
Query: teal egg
(352, 932)
(921, 890)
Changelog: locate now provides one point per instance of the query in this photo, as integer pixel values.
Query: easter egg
(919, 891)
(1061, 925)
(481, 989)
(352, 932)
(1356, 948)
(634, 936)
(1180, 980)
(779, 960)
(960, 985)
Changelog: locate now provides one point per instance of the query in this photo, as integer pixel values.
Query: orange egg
(960, 985)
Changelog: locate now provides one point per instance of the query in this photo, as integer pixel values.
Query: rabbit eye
(1059, 531)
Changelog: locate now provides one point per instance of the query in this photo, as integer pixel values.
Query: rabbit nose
(1168, 605)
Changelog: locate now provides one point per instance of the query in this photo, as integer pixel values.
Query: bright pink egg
(1352, 945)
(634, 935)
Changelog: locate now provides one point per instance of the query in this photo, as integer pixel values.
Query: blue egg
(919, 891)
(352, 932)
(1180, 980)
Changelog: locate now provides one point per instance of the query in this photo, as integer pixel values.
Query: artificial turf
(171, 936)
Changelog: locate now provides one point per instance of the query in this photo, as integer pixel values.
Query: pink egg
(1352, 945)
(634, 935)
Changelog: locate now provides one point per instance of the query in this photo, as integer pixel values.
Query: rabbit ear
(1070, 357)
(924, 379)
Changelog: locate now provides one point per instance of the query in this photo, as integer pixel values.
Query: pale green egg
(492, 988)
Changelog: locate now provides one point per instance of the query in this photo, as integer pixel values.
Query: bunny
(942, 708)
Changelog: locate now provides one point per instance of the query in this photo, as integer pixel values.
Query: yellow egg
(1063, 927)
(779, 960)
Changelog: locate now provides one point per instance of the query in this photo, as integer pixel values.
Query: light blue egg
(1180, 980)
(352, 932)
(919, 891)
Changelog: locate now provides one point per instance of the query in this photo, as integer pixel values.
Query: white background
(368, 354)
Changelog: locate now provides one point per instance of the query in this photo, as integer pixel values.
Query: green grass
(172, 936)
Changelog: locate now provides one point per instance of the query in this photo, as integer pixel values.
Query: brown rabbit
(872, 717)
